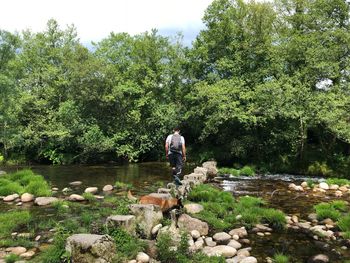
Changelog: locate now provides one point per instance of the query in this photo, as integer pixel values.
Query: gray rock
(76, 197)
(147, 216)
(209, 242)
(211, 167)
(127, 222)
(76, 183)
(92, 190)
(195, 234)
(2, 172)
(199, 177)
(27, 197)
(10, 198)
(225, 251)
(88, 248)
(16, 250)
(142, 257)
(193, 208)
(323, 186)
(249, 260)
(320, 258)
(189, 223)
(241, 232)
(222, 238)
(200, 170)
(41, 201)
(107, 188)
(235, 244)
(156, 228)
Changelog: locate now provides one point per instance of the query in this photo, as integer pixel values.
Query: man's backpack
(176, 144)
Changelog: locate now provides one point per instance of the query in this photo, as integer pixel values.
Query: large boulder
(211, 167)
(127, 222)
(189, 223)
(41, 201)
(147, 217)
(11, 198)
(193, 208)
(196, 177)
(88, 248)
(26, 197)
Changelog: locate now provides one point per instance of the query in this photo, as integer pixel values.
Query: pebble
(260, 234)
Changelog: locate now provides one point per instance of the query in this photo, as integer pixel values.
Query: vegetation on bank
(222, 212)
(24, 181)
(263, 83)
(245, 170)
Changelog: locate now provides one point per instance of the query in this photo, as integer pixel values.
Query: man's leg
(176, 167)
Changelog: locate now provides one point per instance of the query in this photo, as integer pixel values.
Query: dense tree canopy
(263, 83)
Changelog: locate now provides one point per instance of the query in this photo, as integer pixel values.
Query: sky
(95, 20)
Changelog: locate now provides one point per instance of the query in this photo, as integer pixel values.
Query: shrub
(325, 210)
(89, 196)
(226, 170)
(247, 170)
(340, 205)
(61, 206)
(38, 187)
(319, 169)
(280, 258)
(203, 193)
(7, 187)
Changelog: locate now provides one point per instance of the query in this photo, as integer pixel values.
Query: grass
(89, 196)
(122, 186)
(221, 209)
(330, 210)
(11, 258)
(344, 223)
(280, 258)
(338, 181)
(14, 242)
(246, 170)
(24, 181)
(11, 221)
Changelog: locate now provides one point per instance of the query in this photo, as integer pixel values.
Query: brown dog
(164, 204)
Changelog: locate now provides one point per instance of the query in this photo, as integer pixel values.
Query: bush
(326, 210)
(274, 218)
(226, 170)
(344, 223)
(38, 187)
(247, 170)
(7, 187)
(319, 169)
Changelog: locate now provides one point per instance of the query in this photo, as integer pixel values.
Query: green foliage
(344, 223)
(274, 218)
(61, 206)
(247, 170)
(338, 181)
(226, 170)
(330, 210)
(89, 196)
(280, 258)
(12, 258)
(319, 169)
(14, 242)
(12, 220)
(24, 181)
(122, 186)
(127, 245)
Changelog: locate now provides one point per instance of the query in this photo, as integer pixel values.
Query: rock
(127, 222)
(37, 238)
(26, 197)
(10, 198)
(241, 232)
(263, 228)
(235, 244)
(323, 186)
(76, 183)
(243, 252)
(312, 216)
(193, 208)
(338, 193)
(88, 248)
(41, 201)
(222, 250)
(222, 238)
(238, 217)
(304, 184)
(334, 187)
(2, 172)
(132, 261)
(235, 237)
(320, 258)
(155, 229)
(16, 250)
(55, 189)
(25, 235)
(249, 260)
(295, 219)
(147, 216)
(200, 170)
(66, 189)
(196, 177)
(211, 167)
(164, 191)
(292, 186)
(76, 197)
(195, 234)
(142, 257)
(299, 188)
(343, 188)
(209, 242)
(189, 223)
(28, 254)
(199, 244)
(107, 188)
(92, 190)
(260, 234)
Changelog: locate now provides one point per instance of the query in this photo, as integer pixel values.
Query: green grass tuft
(280, 258)
(10, 221)
(12, 258)
(338, 181)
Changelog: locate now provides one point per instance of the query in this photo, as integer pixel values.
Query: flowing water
(273, 188)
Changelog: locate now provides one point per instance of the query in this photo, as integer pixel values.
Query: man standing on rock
(175, 151)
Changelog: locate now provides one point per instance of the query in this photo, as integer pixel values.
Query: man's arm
(166, 149)
(183, 152)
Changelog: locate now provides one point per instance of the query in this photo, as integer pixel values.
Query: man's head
(176, 129)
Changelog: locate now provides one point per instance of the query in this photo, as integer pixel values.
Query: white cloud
(96, 19)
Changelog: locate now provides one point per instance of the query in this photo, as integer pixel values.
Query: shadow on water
(300, 246)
